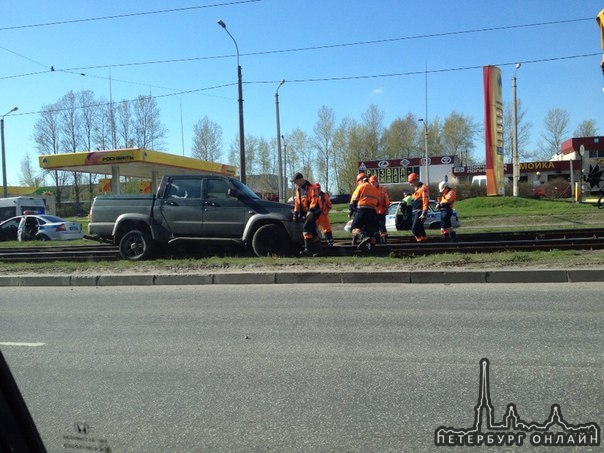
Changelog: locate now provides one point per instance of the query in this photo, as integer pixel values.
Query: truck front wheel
(135, 245)
(270, 240)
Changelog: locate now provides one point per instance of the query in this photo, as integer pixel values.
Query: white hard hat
(442, 186)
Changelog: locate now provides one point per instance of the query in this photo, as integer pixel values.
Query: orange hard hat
(361, 177)
(373, 178)
(413, 177)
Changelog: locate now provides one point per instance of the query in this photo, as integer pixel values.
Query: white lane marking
(12, 343)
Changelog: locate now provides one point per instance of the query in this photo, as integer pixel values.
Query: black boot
(316, 247)
(329, 237)
(307, 248)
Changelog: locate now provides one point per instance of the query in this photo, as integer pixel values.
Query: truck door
(181, 207)
(223, 215)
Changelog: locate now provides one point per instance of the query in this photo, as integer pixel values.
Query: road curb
(343, 277)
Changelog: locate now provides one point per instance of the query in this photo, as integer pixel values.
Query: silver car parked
(398, 219)
(40, 227)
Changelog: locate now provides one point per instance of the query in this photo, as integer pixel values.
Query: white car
(397, 220)
(40, 227)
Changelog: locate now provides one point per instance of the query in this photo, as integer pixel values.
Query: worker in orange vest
(420, 201)
(323, 219)
(445, 204)
(382, 208)
(363, 205)
(307, 209)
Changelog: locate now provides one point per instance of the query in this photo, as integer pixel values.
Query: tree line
(328, 154)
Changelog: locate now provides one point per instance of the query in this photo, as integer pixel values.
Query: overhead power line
(426, 71)
(276, 51)
(337, 45)
(120, 16)
(340, 78)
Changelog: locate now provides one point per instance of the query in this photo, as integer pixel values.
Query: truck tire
(271, 240)
(135, 245)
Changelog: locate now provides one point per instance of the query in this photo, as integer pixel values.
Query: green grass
(513, 206)
(561, 259)
(482, 214)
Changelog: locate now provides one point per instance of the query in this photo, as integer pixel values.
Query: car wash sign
(493, 130)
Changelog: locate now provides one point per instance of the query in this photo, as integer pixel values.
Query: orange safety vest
(365, 196)
(383, 201)
(448, 197)
(324, 203)
(306, 198)
(420, 199)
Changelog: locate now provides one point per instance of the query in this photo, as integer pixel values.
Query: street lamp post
(285, 193)
(515, 163)
(4, 188)
(426, 158)
(240, 100)
(279, 160)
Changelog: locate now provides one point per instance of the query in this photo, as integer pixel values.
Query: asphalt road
(297, 367)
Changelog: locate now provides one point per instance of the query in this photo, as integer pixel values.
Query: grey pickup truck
(205, 209)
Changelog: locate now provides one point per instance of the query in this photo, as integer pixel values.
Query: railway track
(41, 254)
(482, 243)
(579, 239)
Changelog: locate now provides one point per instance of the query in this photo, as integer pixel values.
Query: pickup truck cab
(206, 209)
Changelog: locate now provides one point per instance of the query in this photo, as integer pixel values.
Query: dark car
(343, 198)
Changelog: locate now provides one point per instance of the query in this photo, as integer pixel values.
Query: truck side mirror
(235, 193)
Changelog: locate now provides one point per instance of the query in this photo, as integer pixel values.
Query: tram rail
(578, 239)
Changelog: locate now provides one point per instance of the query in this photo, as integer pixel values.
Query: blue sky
(344, 54)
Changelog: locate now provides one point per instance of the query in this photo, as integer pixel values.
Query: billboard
(493, 130)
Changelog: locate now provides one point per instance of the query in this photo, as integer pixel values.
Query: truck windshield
(245, 189)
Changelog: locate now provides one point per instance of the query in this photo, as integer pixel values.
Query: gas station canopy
(133, 162)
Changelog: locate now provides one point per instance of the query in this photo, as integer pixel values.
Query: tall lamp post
(279, 160)
(515, 163)
(426, 158)
(240, 87)
(4, 188)
(285, 189)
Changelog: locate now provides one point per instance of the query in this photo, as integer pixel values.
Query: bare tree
(435, 146)
(265, 157)
(554, 133)
(458, 134)
(29, 176)
(300, 155)
(207, 140)
(148, 130)
(71, 133)
(373, 121)
(323, 141)
(266, 165)
(524, 131)
(586, 128)
(399, 138)
(102, 128)
(91, 118)
(47, 135)
(350, 140)
(251, 151)
(70, 123)
(123, 125)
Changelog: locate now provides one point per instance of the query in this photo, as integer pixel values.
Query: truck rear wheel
(270, 240)
(135, 245)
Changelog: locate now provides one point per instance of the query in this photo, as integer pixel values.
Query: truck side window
(192, 188)
(217, 188)
(185, 188)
